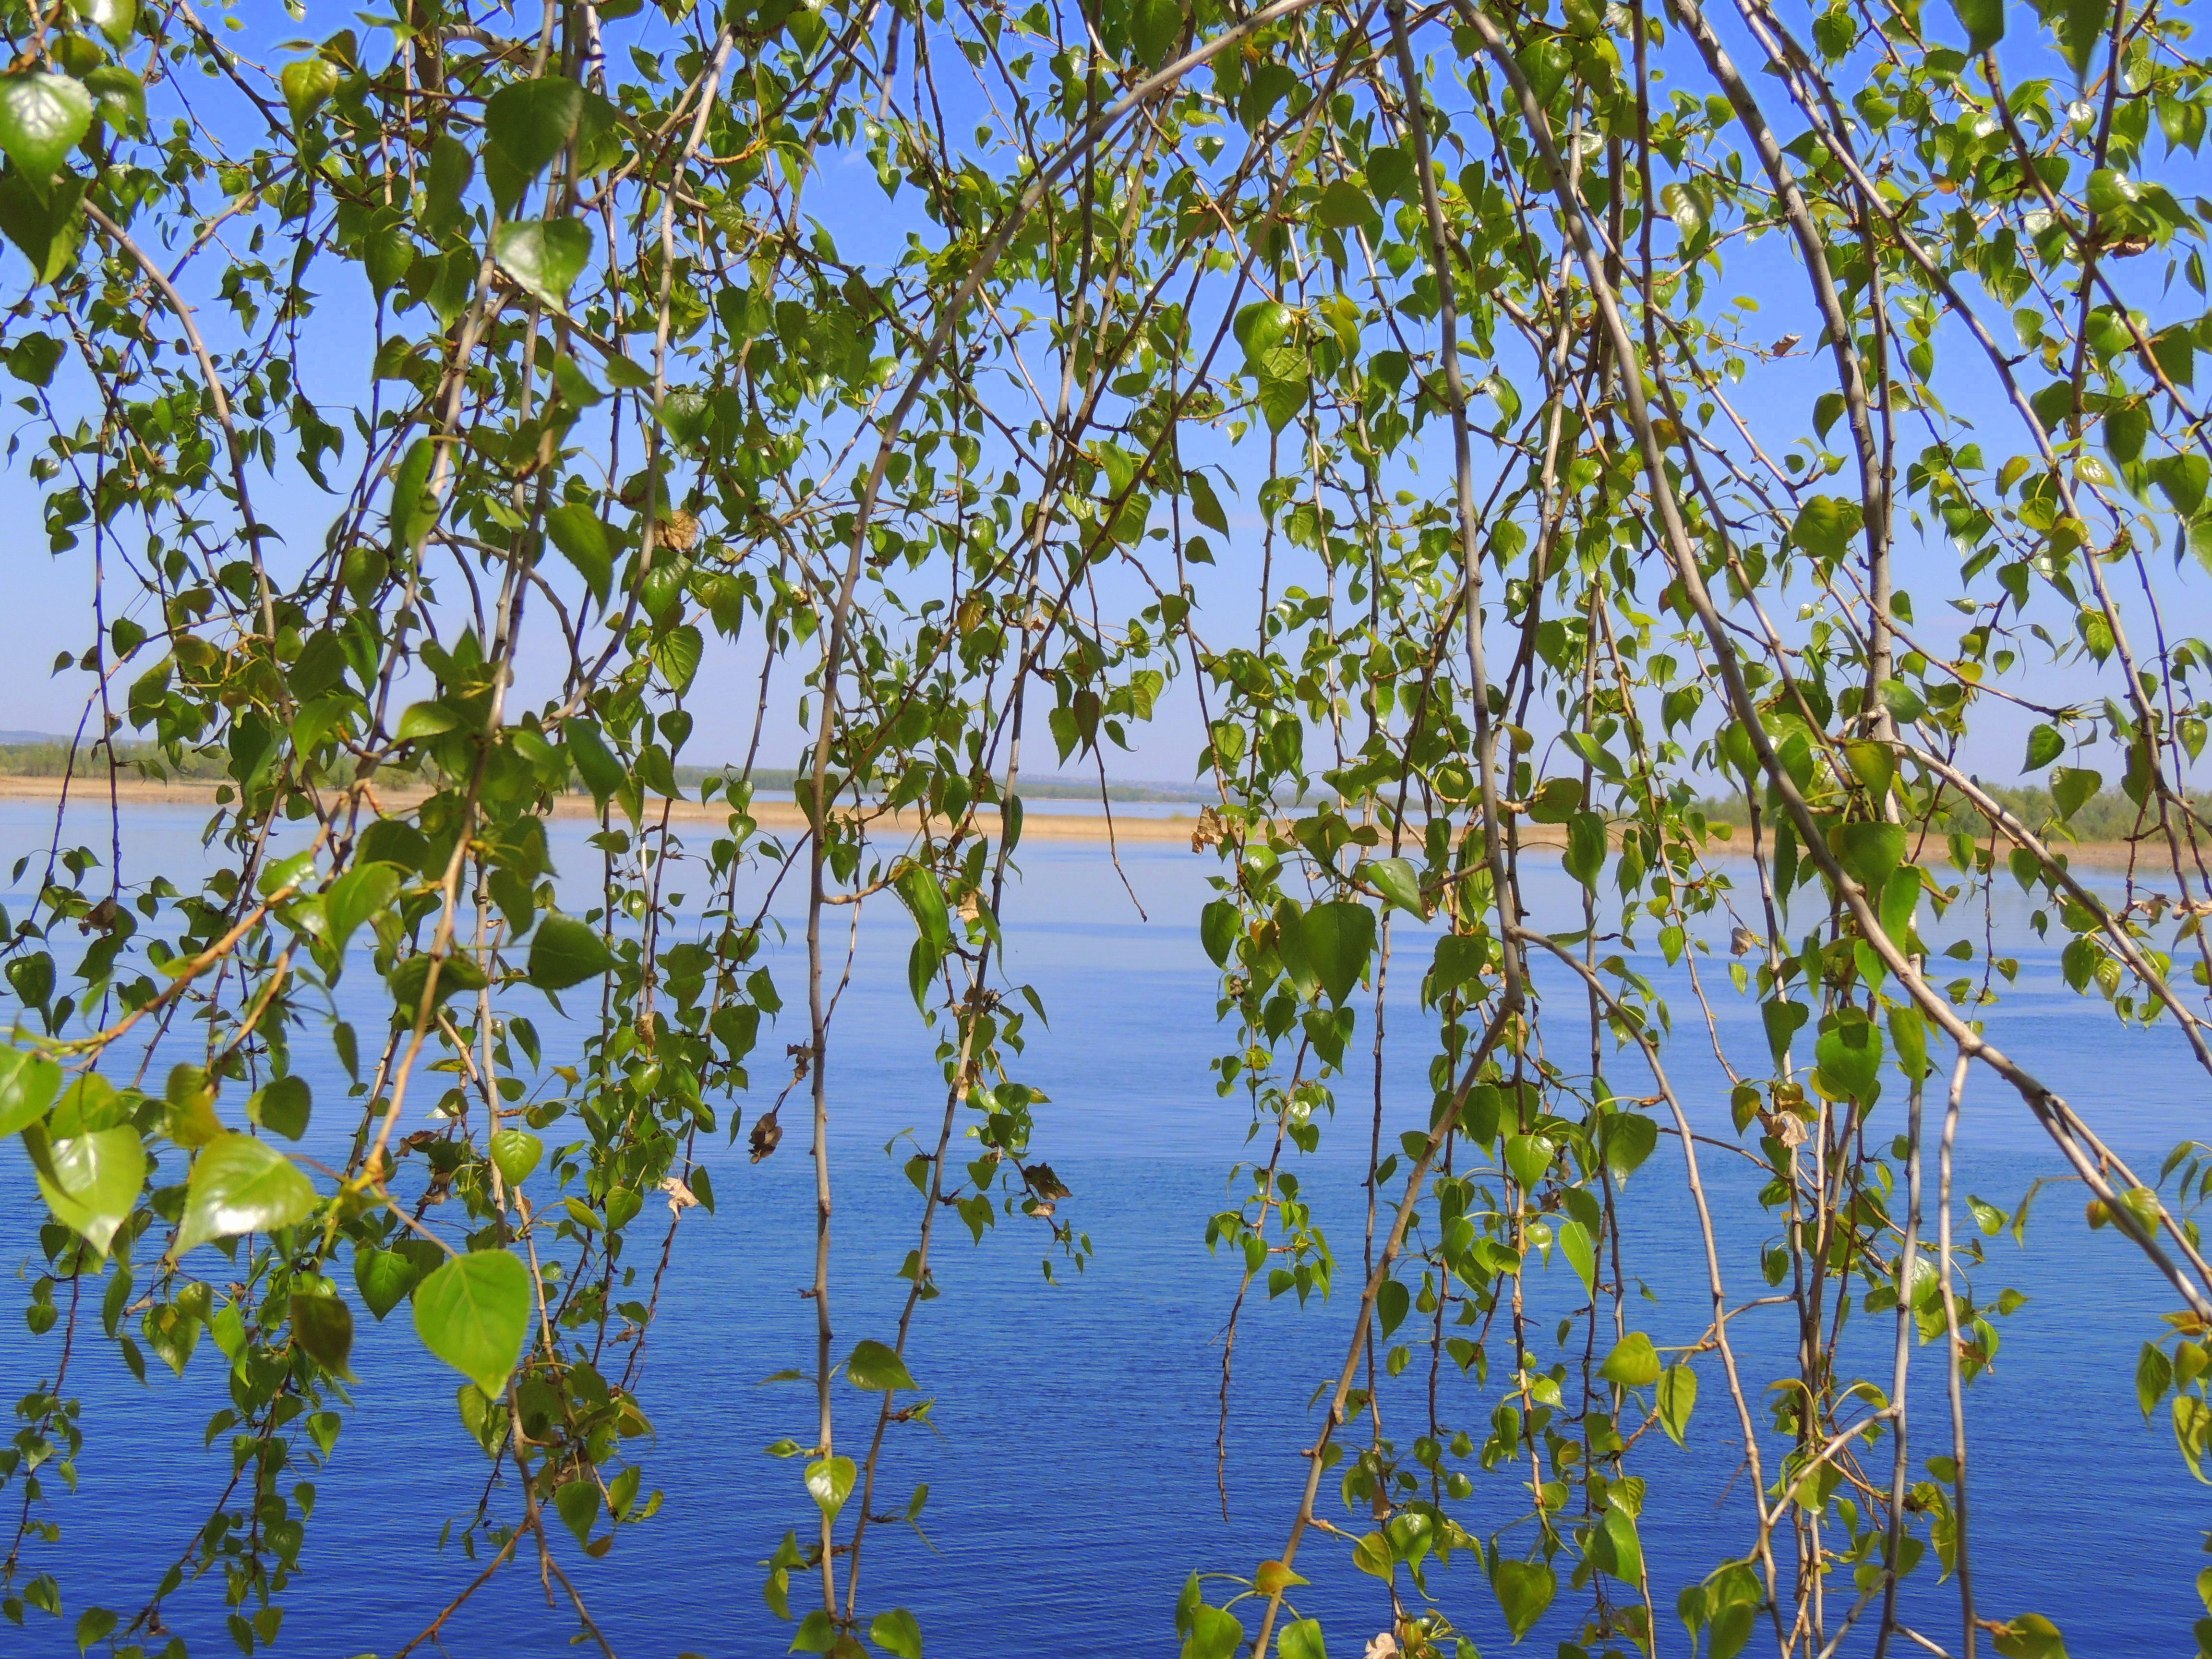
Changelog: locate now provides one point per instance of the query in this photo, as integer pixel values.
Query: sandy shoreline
(1039, 821)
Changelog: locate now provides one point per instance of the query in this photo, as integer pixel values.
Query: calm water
(1072, 1487)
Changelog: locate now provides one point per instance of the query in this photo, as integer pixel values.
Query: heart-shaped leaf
(1338, 939)
(473, 1314)
(42, 116)
(119, 97)
(531, 122)
(383, 1277)
(583, 541)
(830, 1482)
(1678, 1397)
(622, 1204)
(90, 1182)
(1528, 1157)
(1984, 22)
(115, 19)
(307, 86)
(29, 1083)
(875, 1366)
(544, 256)
(1633, 1363)
(354, 898)
(283, 1106)
(241, 1185)
(565, 951)
(897, 1632)
(676, 654)
(1525, 1589)
(517, 1152)
(407, 981)
(323, 1326)
(1581, 1251)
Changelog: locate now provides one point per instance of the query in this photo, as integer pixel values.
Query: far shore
(1040, 821)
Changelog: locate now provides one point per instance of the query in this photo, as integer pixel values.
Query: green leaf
(1215, 1633)
(473, 1313)
(2183, 480)
(1155, 27)
(119, 97)
(1343, 205)
(407, 981)
(1281, 398)
(32, 978)
(1392, 1302)
(414, 509)
(1678, 1397)
(1585, 854)
(322, 1325)
(1868, 851)
(897, 1632)
(90, 1182)
(602, 772)
(1633, 1363)
(829, 1483)
(1528, 1157)
(1873, 765)
(545, 256)
(2153, 1376)
(1783, 1021)
(307, 86)
(1338, 939)
(29, 1083)
(1825, 526)
(116, 19)
(531, 122)
(241, 1185)
(565, 951)
(382, 1277)
(1205, 505)
(875, 1366)
(1556, 800)
(1396, 880)
(355, 897)
(1581, 1251)
(578, 1503)
(516, 1152)
(2045, 746)
(676, 654)
(46, 221)
(2031, 1636)
(2081, 25)
(1218, 929)
(93, 1625)
(1616, 1547)
(282, 1105)
(2072, 787)
(583, 541)
(1302, 1639)
(1849, 1056)
(1984, 22)
(1525, 1589)
(42, 116)
(1629, 1139)
(1688, 206)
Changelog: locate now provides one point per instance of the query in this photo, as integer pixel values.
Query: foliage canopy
(547, 324)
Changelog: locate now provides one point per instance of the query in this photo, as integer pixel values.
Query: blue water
(1072, 1482)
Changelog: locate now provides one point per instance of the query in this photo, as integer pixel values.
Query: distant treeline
(2109, 815)
(49, 758)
